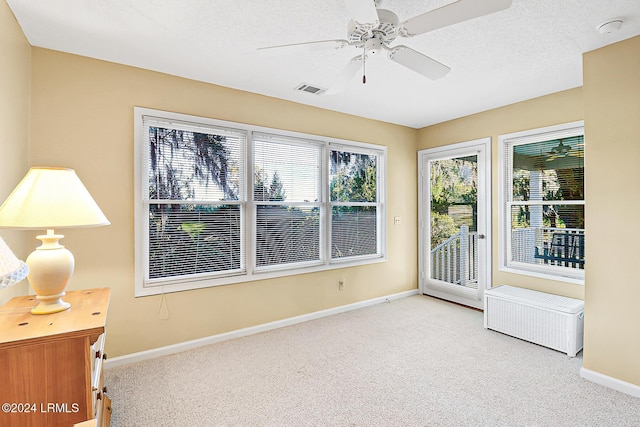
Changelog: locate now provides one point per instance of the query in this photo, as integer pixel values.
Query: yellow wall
(561, 107)
(67, 110)
(612, 132)
(15, 80)
(82, 117)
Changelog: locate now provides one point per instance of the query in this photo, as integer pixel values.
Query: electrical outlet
(341, 284)
(396, 220)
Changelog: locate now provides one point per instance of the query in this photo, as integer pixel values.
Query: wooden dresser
(51, 365)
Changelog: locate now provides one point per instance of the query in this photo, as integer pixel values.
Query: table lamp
(50, 198)
(12, 270)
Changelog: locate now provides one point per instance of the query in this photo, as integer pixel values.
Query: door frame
(482, 146)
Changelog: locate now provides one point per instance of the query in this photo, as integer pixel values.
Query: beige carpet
(416, 361)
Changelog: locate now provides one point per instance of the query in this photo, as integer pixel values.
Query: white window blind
(195, 199)
(287, 194)
(544, 207)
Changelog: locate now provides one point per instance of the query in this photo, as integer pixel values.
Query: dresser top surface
(87, 315)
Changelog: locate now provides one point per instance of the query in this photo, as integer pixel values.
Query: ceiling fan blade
(458, 11)
(294, 48)
(346, 75)
(362, 11)
(418, 62)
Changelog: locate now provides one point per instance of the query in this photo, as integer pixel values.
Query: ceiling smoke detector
(610, 26)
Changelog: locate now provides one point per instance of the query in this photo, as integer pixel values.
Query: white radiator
(550, 320)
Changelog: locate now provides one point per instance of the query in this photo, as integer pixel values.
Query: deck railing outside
(563, 247)
(455, 260)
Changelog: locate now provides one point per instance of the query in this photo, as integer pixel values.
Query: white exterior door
(455, 228)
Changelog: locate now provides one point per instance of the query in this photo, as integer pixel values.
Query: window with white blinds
(287, 194)
(194, 199)
(221, 203)
(543, 206)
(353, 184)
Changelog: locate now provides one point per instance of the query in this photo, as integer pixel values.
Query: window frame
(508, 141)
(285, 140)
(248, 208)
(378, 204)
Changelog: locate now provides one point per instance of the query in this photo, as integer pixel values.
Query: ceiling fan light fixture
(560, 149)
(373, 46)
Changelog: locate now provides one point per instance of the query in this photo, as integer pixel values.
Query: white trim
(610, 382)
(541, 275)
(260, 275)
(483, 147)
(201, 342)
(544, 133)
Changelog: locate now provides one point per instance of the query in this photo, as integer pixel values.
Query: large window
(542, 189)
(221, 203)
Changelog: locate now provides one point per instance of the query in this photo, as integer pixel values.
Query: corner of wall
(15, 87)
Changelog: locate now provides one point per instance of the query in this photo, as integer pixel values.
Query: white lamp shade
(49, 197)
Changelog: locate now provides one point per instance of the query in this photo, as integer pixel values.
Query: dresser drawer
(97, 351)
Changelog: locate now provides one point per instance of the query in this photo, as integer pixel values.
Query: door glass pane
(454, 218)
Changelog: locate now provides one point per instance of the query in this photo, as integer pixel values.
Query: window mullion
(326, 206)
(250, 210)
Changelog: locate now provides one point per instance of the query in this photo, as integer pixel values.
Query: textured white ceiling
(531, 49)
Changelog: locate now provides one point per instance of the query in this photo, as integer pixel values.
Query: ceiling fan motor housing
(372, 37)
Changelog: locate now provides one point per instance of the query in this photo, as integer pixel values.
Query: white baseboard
(188, 345)
(610, 382)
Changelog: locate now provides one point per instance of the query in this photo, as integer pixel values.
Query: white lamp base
(50, 268)
(50, 304)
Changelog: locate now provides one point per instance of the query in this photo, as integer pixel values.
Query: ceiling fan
(373, 30)
(561, 150)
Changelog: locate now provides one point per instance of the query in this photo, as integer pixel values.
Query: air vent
(310, 89)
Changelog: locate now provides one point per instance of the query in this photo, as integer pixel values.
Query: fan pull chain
(364, 64)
